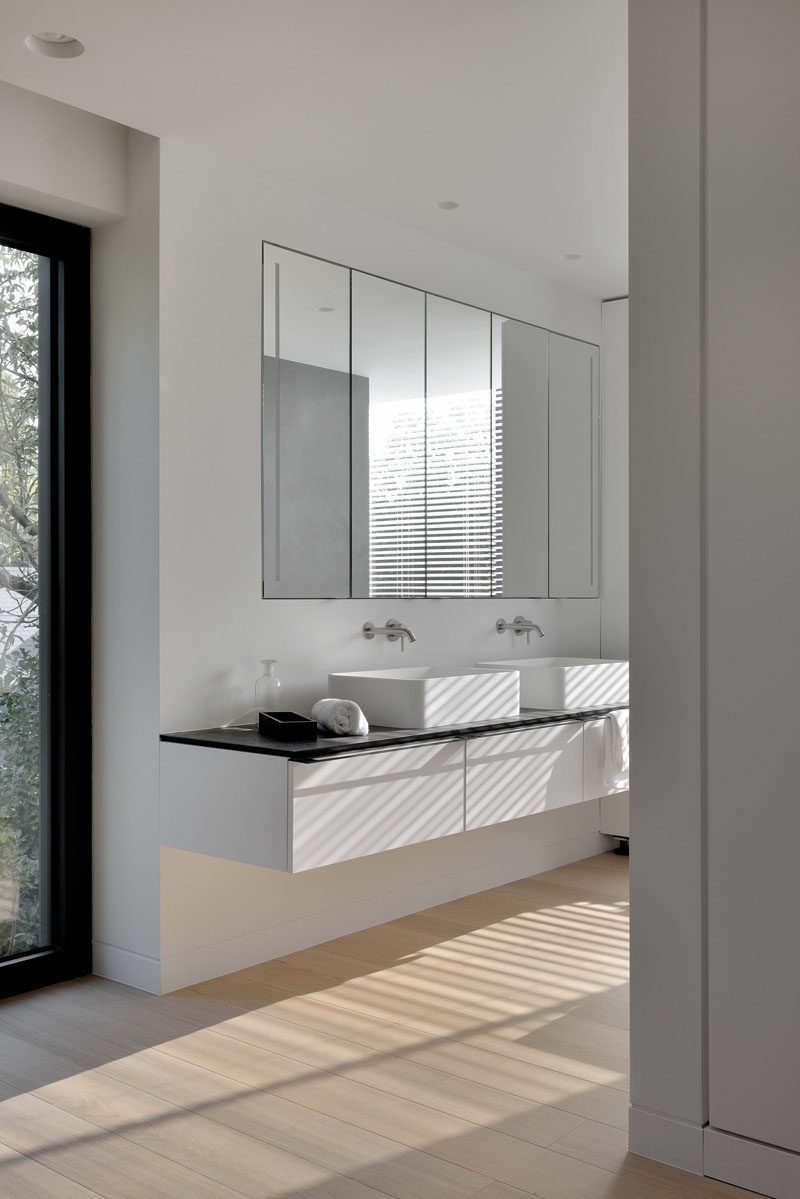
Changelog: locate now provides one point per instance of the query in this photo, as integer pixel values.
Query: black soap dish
(287, 726)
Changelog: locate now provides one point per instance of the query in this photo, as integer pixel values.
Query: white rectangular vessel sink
(424, 697)
(568, 683)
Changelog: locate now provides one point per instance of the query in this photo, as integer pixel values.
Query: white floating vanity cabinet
(509, 775)
(268, 810)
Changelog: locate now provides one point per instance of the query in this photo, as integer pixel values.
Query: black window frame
(65, 495)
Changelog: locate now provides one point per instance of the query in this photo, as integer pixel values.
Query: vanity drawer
(349, 807)
(510, 775)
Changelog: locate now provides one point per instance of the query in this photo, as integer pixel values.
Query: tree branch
(20, 517)
(22, 586)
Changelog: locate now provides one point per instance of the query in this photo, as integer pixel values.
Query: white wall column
(125, 401)
(715, 651)
(668, 1101)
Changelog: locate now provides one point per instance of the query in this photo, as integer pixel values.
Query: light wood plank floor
(475, 1049)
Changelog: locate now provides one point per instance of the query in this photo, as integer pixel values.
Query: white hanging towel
(616, 750)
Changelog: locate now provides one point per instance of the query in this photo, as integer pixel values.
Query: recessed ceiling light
(324, 310)
(54, 45)
(447, 204)
(573, 257)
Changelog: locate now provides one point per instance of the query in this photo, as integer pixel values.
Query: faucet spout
(518, 626)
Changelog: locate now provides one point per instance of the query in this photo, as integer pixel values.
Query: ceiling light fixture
(573, 257)
(447, 205)
(324, 310)
(54, 45)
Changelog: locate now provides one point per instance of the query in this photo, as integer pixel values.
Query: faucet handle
(522, 621)
(397, 624)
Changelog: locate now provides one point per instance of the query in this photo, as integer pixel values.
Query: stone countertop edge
(251, 741)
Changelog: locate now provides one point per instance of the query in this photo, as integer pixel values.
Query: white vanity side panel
(351, 807)
(615, 819)
(225, 804)
(518, 774)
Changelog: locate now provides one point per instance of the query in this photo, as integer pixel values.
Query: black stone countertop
(249, 740)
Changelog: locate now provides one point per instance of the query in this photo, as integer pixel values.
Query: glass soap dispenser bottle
(268, 688)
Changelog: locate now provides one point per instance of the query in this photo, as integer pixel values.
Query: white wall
(214, 625)
(715, 654)
(59, 160)
(667, 634)
(614, 539)
(753, 565)
(125, 591)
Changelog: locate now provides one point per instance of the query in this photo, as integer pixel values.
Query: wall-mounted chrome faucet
(518, 626)
(393, 630)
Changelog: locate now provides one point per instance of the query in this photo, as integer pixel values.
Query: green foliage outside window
(19, 603)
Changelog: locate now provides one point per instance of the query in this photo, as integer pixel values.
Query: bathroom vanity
(233, 794)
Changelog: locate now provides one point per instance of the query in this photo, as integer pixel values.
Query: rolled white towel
(616, 750)
(340, 716)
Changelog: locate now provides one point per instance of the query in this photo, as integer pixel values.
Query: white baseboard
(125, 966)
(674, 1142)
(210, 961)
(752, 1165)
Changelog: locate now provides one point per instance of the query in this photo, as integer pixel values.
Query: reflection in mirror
(388, 340)
(520, 376)
(464, 467)
(306, 426)
(417, 446)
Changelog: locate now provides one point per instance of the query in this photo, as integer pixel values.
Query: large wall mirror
(417, 446)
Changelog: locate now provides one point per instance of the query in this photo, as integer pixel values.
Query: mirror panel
(519, 360)
(463, 538)
(306, 427)
(388, 519)
(417, 446)
(574, 467)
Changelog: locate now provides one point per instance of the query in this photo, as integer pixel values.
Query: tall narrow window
(45, 601)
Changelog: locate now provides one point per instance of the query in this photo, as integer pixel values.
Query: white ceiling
(517, 109)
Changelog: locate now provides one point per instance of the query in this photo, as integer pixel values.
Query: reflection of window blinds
(397, 497)
(464, 512)
(497, 491)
